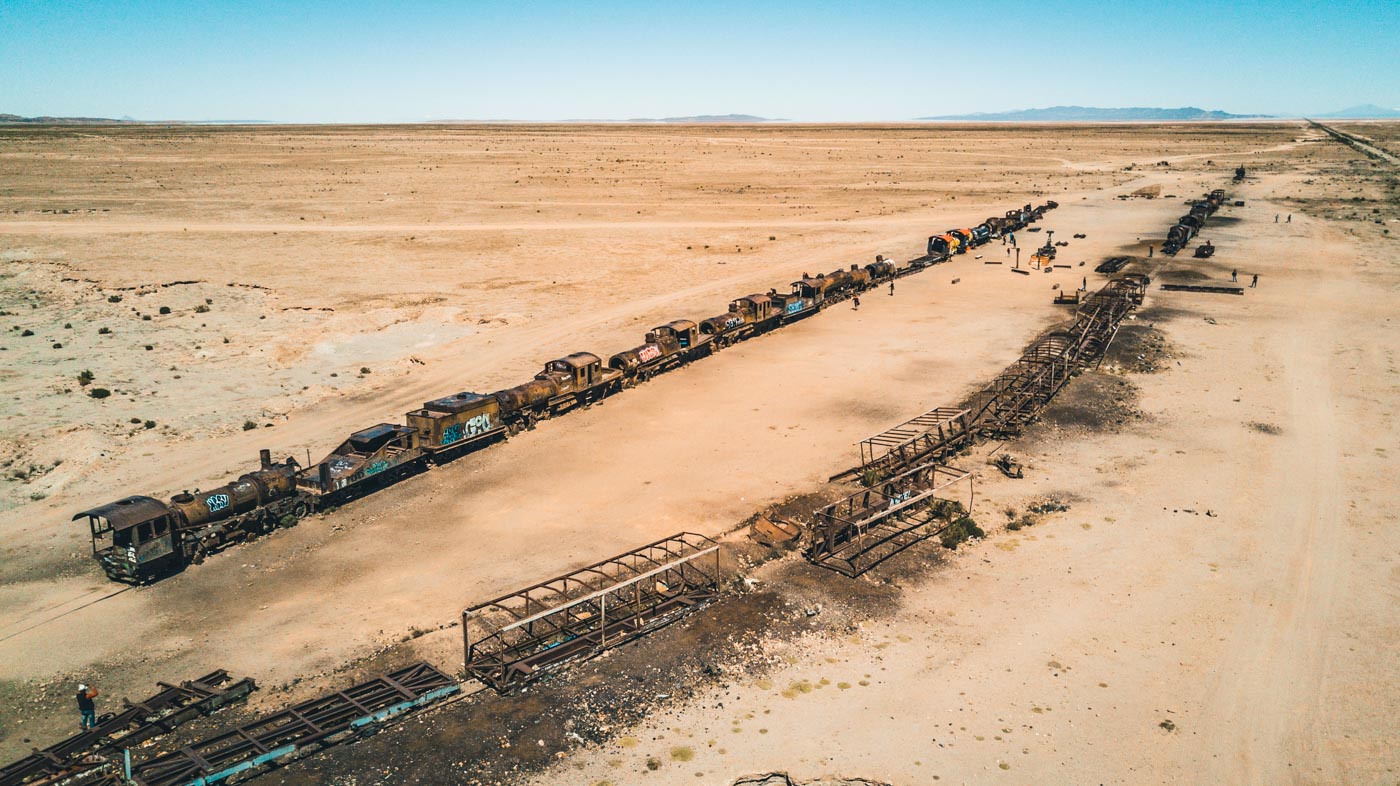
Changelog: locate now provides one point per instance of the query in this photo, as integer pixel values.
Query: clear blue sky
(362, 61)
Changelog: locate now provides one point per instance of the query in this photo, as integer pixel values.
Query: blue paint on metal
(358, 723)
(404, 706)
(229, 772)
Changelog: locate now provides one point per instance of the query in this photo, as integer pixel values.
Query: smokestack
(265, 456)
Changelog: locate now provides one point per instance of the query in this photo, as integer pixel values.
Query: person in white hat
(86, 707)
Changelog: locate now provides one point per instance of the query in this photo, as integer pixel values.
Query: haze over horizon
(372, 62)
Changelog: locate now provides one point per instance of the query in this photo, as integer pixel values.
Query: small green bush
(27, 333)
(150, 424)
(165, 309)
(99, 393)
(104, 331)
(249, 425)
(959, 531)
(114, 299)
(85, 378)
(201, 309)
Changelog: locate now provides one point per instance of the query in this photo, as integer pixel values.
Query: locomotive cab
(685, 333)
(584, 369)
(132, 538)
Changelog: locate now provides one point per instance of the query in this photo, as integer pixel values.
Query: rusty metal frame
(582, 613)
(138, 722)
(854, 534)
(914, 439)
(297, 730)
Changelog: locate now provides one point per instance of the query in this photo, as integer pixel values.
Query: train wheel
(301, 510)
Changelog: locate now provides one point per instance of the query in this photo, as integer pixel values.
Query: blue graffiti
(216, 502)
(376, 468)
(793, 308)
(474, 426)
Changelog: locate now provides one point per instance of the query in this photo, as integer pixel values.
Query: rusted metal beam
(1217, 290)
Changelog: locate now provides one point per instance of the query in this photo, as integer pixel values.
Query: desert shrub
(99, 393)
(136, 421)
(364, 369)
(959, 531)
(201, 309)
(145, 317)
(165, 309)
(85, 378)
(105, 331)
(114, 299)
(27, 333)
(57, 345)
(150, 424)
(946, 509)
(249, 425)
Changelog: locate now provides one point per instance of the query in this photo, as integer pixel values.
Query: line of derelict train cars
(1189, 225)
(140, 538)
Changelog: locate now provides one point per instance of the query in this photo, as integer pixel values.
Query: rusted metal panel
(517, 637)
(454, 422)
(126, 513)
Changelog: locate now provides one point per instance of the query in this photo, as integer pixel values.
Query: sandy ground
(1265, 632)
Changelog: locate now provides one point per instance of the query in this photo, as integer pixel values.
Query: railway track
(1358, 144)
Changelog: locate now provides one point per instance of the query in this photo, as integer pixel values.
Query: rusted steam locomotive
(1189, 225)
(139, 539)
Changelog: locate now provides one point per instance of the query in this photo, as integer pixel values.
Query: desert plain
(1212, 597)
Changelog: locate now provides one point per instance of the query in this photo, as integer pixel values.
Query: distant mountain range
(1362, 112)
(1092, 114)
(1053, 114)
(4, 118)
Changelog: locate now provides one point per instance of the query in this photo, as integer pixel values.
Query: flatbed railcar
(138, 539)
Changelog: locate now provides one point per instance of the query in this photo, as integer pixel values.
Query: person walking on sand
(1234, 275)
(86, 707)
(891, 289)
(1149, 252)
(1254, 282)
(855, 304)
(1276, 218)
(1290, 219)
(1085, 286)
